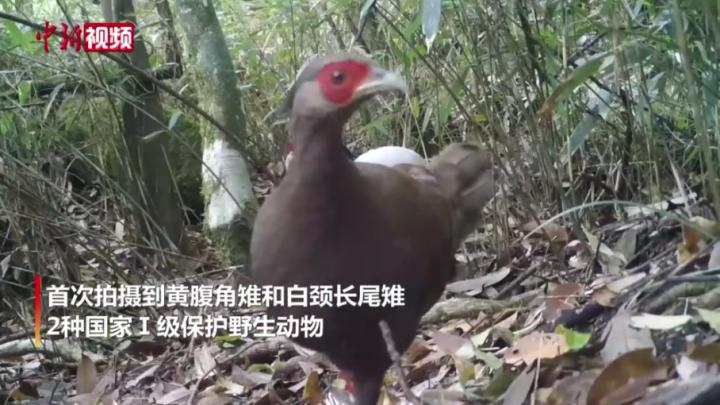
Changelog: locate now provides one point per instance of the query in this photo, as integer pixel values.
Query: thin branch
(395, 357)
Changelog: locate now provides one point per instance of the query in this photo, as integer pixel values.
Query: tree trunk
(170, 41)
(231, 204)
(157, 213)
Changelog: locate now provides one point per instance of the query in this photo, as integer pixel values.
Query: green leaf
(443, 114)
(19, 38)
(480, 117)
(600, 105)
(5, 123)
(489, 359)
(379, 125)
(465, 370)
(549, 38)
(410, 29)
(260, 368)
(24, 91)
(231, 340)
(571, 82)
(500, 382)
(575, 340)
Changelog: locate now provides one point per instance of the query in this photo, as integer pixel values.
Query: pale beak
(380, 81)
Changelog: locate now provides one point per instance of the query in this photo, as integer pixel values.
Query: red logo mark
(92, 36)
(45, 35)
(109, 36)
(73, 38)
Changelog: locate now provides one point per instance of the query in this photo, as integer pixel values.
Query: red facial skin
(338, 80)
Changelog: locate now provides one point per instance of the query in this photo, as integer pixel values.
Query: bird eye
(338, 77)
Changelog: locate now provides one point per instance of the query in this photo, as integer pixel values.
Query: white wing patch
(391, 156)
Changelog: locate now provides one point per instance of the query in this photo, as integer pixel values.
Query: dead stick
(519, 279)
(395, 357)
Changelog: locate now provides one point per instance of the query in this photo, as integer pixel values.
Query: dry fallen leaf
(312, 393)
(230, 387)
(24, 392)
(688, 368)
(684, 392)
(620, 285)
(605, 297)
(146, 346)
(621, 338)
(627, 243)
(659, 322)
(611, 262)
(174, 396)
(561, 298)
(508, 322)
(714, 261)
(213, 398)
(693, 234)
(606, 294)
(460, 326)
(249, 379)
(476, 285)
(579, 255)
(519, 388)
(111, 398)
(536, 345)
(204, 362)
(441, 397)
(454, 345)
(98, 390)
(5, 265)
(711, 317)
(573, 390)
(150, 371)
(627, 378)
(709, 353)
(86, 375)
(555, 232)
(480, 339)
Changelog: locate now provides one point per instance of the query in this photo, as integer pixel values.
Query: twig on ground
(19, 335)
(519, 279)
(69, 351)
(701, 276)
(659, 281)
(257, 351)
(710, 299)
(395, 357)
(456, 308)
(664, 300)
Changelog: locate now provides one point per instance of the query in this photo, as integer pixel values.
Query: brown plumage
(333, 221)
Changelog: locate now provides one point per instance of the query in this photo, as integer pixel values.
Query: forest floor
(625, 313)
